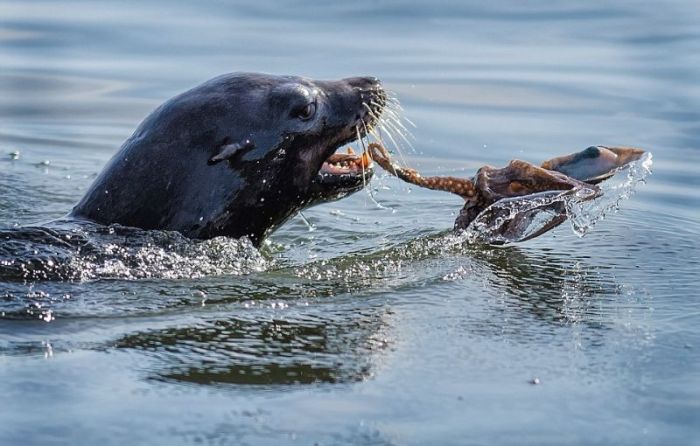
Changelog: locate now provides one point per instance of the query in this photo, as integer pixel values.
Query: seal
(237, 156)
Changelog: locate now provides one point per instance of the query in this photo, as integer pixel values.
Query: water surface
(379, 326)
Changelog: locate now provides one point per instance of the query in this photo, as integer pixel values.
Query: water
(380, 326)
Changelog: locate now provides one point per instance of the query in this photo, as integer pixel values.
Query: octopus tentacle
(461, 186)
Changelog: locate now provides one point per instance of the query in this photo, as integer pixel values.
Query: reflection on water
(335, 347)
(380, 326)
(553, 288)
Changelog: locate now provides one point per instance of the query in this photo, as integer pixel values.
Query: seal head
(237, 156)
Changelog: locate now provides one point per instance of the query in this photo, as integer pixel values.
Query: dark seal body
(235, 156)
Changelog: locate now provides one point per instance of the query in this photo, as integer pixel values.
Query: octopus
(581, 171)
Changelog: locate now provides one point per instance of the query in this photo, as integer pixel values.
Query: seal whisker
(395, 110)
(374, 133)
(393, 98)
(397, 148)
(384, 124)
(365, 150)
(371, 112)
(382, 121)
(388, 130)
(410, 122)
(377, 133)
(389, 112)
(392, 124)
(394, 117)
(379, 119)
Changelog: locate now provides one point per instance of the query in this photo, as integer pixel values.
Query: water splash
(584, 215)
(81, 251)
(182, 259)
(522, 218)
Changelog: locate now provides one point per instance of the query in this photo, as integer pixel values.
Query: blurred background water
(378, 327)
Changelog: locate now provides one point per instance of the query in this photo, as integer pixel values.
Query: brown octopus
(519, 178)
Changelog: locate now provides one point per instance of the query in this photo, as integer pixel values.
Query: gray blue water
(378, 326)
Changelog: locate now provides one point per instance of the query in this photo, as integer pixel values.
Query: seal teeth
(365, 161)
(347, 162)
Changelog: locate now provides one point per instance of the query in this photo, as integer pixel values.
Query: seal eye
(306, 112)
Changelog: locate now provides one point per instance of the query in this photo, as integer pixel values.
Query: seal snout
(363, 82)
(371, 99)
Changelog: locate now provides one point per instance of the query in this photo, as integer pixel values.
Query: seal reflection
(267, 347)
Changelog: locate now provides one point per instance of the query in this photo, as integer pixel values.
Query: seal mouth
(342, 173)
(344, 161)
(348, 163)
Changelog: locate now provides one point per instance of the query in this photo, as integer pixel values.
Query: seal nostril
(367, 83)
(371, 81)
